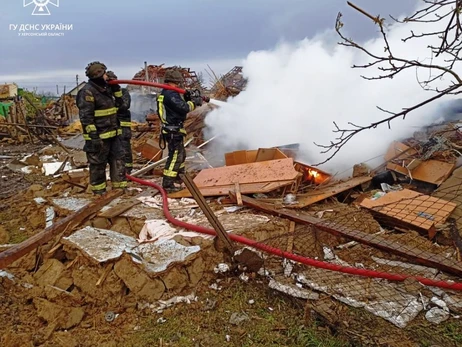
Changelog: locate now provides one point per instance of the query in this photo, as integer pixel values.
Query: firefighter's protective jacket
(97, 112)
(172, 108)
(123, 112)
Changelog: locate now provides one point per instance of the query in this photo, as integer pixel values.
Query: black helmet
(173, 76)
(111, 75)
(95, 70)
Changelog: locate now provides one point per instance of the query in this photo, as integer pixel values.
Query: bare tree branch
(389, 65)
(347, 134)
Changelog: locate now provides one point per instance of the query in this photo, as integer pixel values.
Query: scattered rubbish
(49, 216)
(209, 304)
(389, 303)
(288, 266)
(7, 275)
(221, 268)
(40, 200)
(231, 209)
(243, 277)
(289, 199)
(166, 260)
(388, 188)
(101, 245)
(215, 286)
(109, 316)
(293, 290)
(160, 254)
(161, 320)
(71, 204)
(163, 304)
(378, 195)
(320, 214)
(437, 315)
(328, 253)
(238, 317)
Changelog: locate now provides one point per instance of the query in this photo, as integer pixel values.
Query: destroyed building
(385, 241)
(230, 84)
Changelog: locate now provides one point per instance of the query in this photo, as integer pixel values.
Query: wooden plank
(17, 251)
(119, 209)
(252, 156)
(267, 171)
(419, 210)
(265, 154)
(377, 241)
(237, 190)
(433, 171)
(430, 171)
(322, 193)
(229, 159)
(105, 273)
(240, 157)
(399, 151)
(398, 168)
(151, 151)
(213, 220)
(246, 188)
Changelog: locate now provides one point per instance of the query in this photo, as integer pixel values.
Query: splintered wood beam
(19, 250)
(415, 255)
(237, 190)
(119, 209)
(213, 220)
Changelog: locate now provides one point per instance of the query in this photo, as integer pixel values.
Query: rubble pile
(39, 125)
(156, 73)
(62, 112)
(231, 84)
(386, 240)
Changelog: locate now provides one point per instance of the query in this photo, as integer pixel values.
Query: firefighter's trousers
(111, 153)
(176, 158)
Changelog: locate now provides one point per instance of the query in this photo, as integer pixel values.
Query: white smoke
(297, 90)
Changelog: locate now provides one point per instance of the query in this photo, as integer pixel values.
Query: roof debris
(386, 239)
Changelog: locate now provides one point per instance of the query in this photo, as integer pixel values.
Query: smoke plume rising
(297, 90)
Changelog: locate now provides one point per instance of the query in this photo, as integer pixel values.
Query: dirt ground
(262, 317)
(233, 312)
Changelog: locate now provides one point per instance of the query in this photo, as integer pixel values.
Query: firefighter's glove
(197, 101)
(115, 88)
(119, 102)
(187, 96)
(94, 145)
(206, 99)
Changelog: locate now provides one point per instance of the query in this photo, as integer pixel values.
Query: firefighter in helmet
(125, 120)
(172, 109)
(97, 102)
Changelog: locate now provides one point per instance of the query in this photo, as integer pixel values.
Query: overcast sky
(190, 33)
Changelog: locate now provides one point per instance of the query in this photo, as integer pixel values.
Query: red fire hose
(148, 84)
(291, 256)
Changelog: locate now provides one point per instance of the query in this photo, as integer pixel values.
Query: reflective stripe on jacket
(97, 112)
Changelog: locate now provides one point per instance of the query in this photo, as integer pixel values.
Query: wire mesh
(407, 235)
